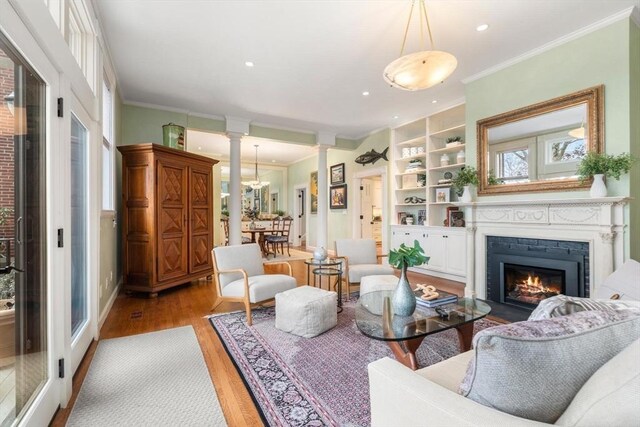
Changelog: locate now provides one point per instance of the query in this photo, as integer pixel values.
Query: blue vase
(404, 301)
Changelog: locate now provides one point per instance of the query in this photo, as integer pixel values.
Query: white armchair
(239, 274)
(360, 260)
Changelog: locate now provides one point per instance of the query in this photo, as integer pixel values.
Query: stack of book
(443, 298)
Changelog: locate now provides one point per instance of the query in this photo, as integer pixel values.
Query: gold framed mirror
(539, 147)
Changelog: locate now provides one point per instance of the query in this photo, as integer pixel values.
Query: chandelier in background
(420, 70)
(256, 184)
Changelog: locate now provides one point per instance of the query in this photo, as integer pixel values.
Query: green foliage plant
(467, 176)
(408, 256)
(606, 164)
(454, 139)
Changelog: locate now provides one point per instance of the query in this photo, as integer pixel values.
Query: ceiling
(270, 153)
(313, 59)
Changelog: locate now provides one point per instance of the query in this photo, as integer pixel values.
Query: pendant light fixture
(420, 70)
(256, 184)
(578, 133)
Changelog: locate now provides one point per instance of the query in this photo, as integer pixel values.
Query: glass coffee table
(404, 334)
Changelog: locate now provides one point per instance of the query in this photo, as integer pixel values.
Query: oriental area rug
(318, 381)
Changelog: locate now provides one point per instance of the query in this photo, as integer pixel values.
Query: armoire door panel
(200, 220)
(200, 253)
(201, 215)
(172, 236)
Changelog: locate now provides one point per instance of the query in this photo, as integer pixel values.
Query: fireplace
(523, 272)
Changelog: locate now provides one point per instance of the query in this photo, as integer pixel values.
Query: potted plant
(252, 214)
(454, 140)
(280, 214)
(404, 301)
(599, 165)
(467, 177)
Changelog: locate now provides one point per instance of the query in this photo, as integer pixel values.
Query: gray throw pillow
(562, 305)
(533, 369)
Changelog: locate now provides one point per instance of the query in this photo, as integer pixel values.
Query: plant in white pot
(404, 301)
(467, 177)
(599, 165)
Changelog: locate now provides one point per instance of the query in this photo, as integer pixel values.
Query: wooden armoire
(167, 217)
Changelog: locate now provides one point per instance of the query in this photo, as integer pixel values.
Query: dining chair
(239, 275)
(225, 225)
(283, 227)
(360, 260)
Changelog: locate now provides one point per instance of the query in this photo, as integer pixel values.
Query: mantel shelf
(616, 200)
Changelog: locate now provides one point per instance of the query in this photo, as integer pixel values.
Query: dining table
(261, 232)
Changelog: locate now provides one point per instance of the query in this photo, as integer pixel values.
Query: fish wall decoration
(372, 157)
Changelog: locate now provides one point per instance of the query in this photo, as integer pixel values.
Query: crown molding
(623, 14)
(155, 106)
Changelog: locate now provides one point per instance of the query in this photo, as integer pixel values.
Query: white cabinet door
(456, 254)
(434, 247)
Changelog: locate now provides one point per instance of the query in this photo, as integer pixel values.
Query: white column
(470, 286)
(323, 198)
(235, 189)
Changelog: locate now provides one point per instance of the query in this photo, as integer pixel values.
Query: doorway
(371, 208)
(24, 347)
(300, 214)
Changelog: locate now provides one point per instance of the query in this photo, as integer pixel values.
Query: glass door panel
(78, 225)
(23, 289)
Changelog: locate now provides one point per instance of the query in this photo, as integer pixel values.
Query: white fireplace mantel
(598, 221)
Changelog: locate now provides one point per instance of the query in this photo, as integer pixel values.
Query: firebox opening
(526, 285)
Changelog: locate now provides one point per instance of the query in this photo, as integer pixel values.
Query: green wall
(600, 57)
(634, 117)
(110, 259)
(340, 221)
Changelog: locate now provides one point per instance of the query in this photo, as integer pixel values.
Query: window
(513, 164)
(107, 148)
(81, 38)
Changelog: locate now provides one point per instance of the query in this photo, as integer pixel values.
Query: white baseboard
(107, 308)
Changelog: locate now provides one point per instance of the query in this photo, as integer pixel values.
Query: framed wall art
(337, 174)
(313, 192)
(338, 197)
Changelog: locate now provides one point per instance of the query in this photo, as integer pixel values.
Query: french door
(31, 345)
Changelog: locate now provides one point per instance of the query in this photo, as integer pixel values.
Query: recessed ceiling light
(273, 161)
(435, 101)
(249, 64)
(482, 27)
(199, 148)
(395, 117)
(365, 93)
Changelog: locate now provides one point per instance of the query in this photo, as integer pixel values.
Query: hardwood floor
(188, 305)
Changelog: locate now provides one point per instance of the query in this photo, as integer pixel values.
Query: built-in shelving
(428, 135)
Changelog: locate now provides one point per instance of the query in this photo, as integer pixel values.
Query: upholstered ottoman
(306, 311)
(385, 282)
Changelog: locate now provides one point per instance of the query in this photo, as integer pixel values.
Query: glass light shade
(420, 70)
(577, 133)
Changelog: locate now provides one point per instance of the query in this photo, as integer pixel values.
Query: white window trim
(111, 147)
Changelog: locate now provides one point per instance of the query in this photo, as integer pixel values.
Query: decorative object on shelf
(444, 160)
(422, 180)
(313, 191)
(447, 219)
(419, 70)
(420, 150)
(404, 301)
(414, 165)
(410, 220)
(406, 152)
(456, 219)
(256, 184)
(454, 141)
(337, 174)
(422, 216)
(464, 179)
(599, 165)
(414, 151)
(338, 197)
(402, 217)
(443, 195)
(371, 156)
(173, 136)
(320, 254)
(414, 200)
(460, 157)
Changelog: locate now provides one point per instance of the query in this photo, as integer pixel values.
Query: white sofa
(429, 396)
